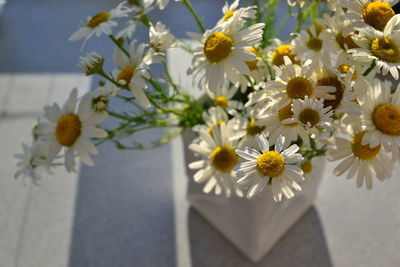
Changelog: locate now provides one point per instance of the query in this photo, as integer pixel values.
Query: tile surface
(131, 209)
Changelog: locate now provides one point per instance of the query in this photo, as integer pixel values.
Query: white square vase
(252, 225)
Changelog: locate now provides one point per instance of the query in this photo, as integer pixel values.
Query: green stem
(119, 45)
(368, 71)
(194, 14)
(165, 110)
(314, 12)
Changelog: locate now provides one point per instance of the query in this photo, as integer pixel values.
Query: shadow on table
(303, 245)
(124, 213)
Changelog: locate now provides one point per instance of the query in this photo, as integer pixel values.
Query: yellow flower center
(363, 152)
(221, 101)
(386, 118)
(309, 116)
(271, 164)
(252, 64)
(377, 14)
(252, 129)
(229, 14)
(210, 128)
(298, 88)
(100, 103)
(224, 158)
(385, 49)
(286, 113)
(346, 42)
(332, 81)
(307, 167)
(314, 43)
(126, 74)
(343, 68)
(217, 47)
(98, 19)
(68, 129)
(280, 52)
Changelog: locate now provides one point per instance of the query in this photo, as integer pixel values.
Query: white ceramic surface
(252, 225)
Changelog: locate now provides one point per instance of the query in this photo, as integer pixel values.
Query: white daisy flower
(101, 23)
(300, 3)
(272, 120)
(367, 14)
(380, 113)
(383, 48)
(228, 11)
(222, 97)
(358, 159)
(344, 100)
(133, 71)
(311, 113)
(218, 160)
(276, 167)
(277, 51)
(335, 41)
(91, 63)
(246, 127)
(98, 99)
(160, 3)
(350, 70)
(212, 116)
(71, 129)
(224, 51)
(296, 82)
(32, 162)
(160, 40)
(258, 72)
(309, 44)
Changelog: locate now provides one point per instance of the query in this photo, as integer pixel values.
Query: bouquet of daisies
(268, 106)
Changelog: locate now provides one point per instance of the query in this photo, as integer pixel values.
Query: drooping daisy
(311, 113)
(160, 40)
(133, 71)
(276, 167)
(367, 14)
(218, 160)
(277, 51)
(71, 128)
(296, 82)
(358, 159)
(383, 48)
(32, 162)
(222, 97)
(309, 44)
(380, 113)
(224, 51)
(228, 11)
(272, 120)
(91, 63)
(101, 23)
